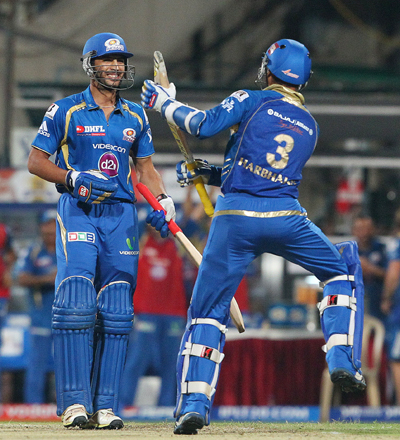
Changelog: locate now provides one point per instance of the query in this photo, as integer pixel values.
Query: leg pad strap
(203, 351)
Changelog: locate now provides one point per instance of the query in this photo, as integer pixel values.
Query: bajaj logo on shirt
(81, 236)
(90, 130)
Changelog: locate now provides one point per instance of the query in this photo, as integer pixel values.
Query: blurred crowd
(162, 296)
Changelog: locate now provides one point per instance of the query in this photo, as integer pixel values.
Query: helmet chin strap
(127, 79)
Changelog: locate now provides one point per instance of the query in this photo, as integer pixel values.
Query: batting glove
(185, 176)
(153, 95)
(90, 186)
(168, 205)
(158, 221)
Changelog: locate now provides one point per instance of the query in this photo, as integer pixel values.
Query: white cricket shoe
(105, 419)
(74, 415)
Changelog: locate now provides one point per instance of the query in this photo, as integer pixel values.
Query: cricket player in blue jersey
(37, 272)
(93, 134)
(390, 306)
(272, 137)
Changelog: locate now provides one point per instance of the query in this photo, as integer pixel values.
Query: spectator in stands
(160, 315)
(390, 306)
(373, 260)
(38, 273)
(195, 224)
(7, 260)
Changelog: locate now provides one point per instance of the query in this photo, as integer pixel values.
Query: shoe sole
(190, 426)
(115, 424)
(78, 421)
(347, 381)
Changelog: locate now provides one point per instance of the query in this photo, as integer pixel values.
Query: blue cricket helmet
(289, 61)
(104, 44)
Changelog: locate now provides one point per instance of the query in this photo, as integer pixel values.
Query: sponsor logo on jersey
(114, 44)
(228, 104)
(43, 129)
(290, 73)
(240, 95)
(130, 246)
(129, 135)
(90, 130)
(129, 252)
(294, 122)
(109, 147)
(81, 236)
(109, 164)
(51, 111)
(128, 242)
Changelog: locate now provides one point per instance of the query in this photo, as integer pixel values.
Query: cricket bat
(195, 255)
(161, 77)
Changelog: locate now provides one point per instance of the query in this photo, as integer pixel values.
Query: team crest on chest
(129, 135)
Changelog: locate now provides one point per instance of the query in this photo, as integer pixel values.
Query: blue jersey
(392, 323)
(373, 285)
(76, 129)
(39, 261)
(394, 254)
(273, 136)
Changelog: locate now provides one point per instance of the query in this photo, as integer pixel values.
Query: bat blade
(161, 77)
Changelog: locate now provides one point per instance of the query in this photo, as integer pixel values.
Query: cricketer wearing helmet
(93, 134)
(272, 136)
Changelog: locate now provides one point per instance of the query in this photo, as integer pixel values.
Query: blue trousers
(40, 363)
(153, 345)
(243, 228)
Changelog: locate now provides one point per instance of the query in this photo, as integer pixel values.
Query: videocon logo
(128, 242)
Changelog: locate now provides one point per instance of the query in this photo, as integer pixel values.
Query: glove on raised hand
(158, 221)
(153, 95)
(91, 186)
(185, 177)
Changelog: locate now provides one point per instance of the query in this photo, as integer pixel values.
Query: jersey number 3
(282, 151)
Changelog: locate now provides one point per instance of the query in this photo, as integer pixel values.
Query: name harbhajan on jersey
(263, 172)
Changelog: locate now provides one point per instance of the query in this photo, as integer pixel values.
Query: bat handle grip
(156, 205)
(199, 184)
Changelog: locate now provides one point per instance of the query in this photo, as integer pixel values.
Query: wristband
(70, 178)
(161, 197)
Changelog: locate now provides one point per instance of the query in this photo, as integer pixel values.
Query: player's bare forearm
(40, 165)
(149, 176)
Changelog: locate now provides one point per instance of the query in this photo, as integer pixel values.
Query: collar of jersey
(291, 94)
(91, 103)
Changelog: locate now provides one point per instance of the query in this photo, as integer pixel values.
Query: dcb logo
(81, 236)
